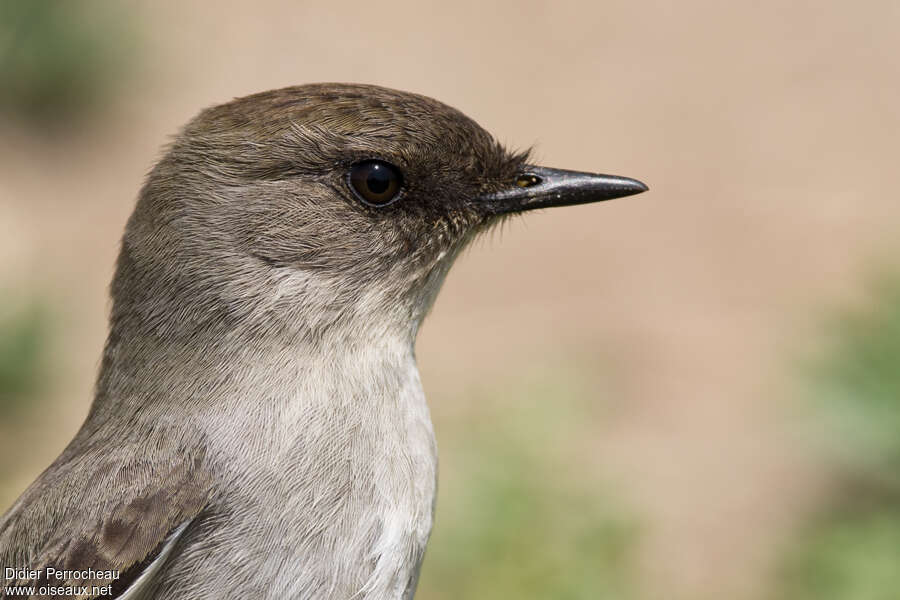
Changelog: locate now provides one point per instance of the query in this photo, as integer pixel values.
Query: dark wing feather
(102, 510)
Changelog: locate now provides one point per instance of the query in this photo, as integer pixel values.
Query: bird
(259, 427)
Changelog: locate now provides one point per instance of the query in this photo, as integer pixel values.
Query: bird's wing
(112, 511)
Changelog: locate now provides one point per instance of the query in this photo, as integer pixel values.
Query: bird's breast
(331, 474)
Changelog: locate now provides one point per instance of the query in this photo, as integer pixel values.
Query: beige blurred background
(768, 134)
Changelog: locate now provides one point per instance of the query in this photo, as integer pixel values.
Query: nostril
(527, 180)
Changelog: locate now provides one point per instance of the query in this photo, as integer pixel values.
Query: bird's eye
(375, 182)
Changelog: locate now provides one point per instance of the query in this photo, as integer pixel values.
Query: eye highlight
(375, 182)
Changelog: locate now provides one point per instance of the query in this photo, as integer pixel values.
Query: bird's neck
(155, 378)
(181, 348)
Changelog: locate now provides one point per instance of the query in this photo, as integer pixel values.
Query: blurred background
(689, 394)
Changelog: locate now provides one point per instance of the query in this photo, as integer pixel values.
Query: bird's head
(321, 205)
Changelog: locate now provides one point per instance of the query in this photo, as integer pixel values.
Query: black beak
(540, 187)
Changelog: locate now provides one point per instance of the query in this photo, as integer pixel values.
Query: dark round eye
(375, 182)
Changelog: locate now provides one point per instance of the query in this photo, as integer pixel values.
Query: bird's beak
(541, 187)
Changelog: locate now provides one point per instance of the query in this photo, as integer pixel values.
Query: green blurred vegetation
(860, 384)
(24, 333)
(26, 327)
(518, 516)
(850, 552)
(851, 549)
(60, 59)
